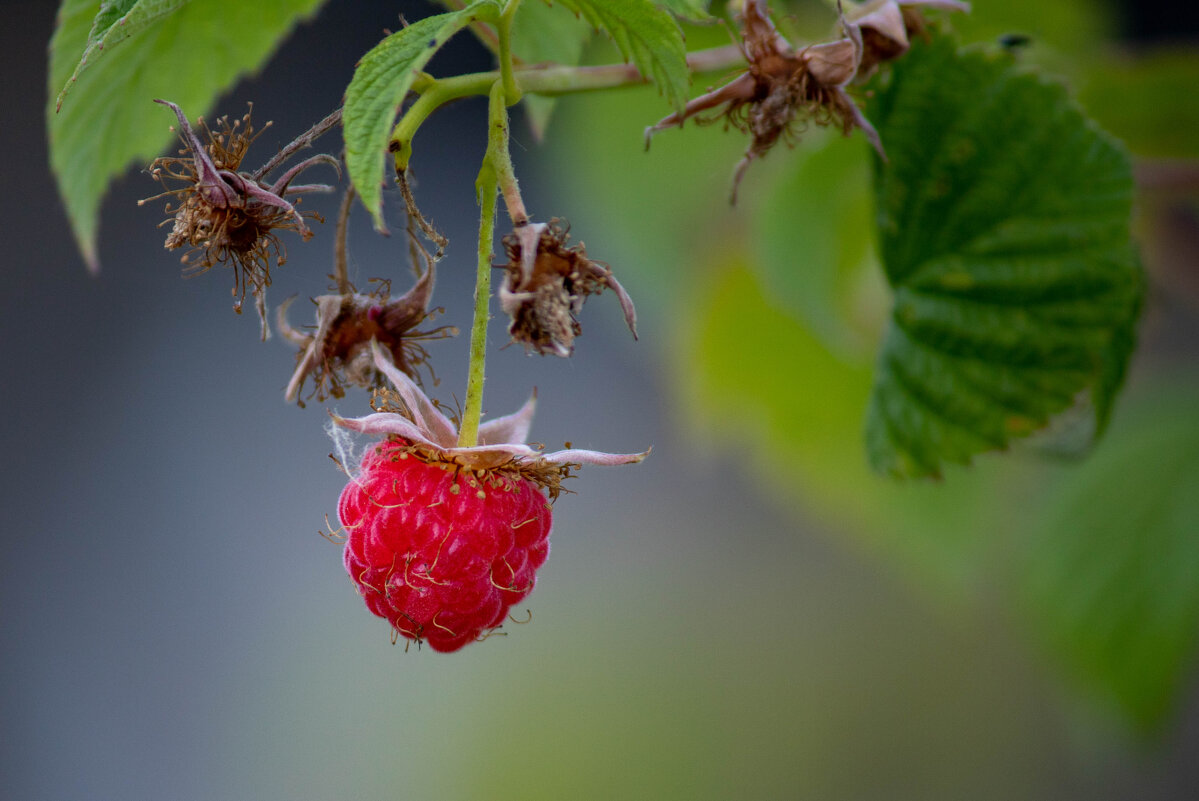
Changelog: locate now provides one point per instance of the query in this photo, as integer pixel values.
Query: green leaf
(1141, 95)
(1004, 228)
(109, 120)
(1100, 557)
(1109, 576)
(690, 10)
(380, 83)
(647, 36)
(543, 33)
(115, 22)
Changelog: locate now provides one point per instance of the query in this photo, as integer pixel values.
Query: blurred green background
(749, 614)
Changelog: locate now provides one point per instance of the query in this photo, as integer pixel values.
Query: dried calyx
(225, 216)
(337, 351)
(784, 89)
(545, 284)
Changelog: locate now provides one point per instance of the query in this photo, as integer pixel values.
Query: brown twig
(299, 143)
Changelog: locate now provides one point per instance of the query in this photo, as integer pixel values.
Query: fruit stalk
(486, 188)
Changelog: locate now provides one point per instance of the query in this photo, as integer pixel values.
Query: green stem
(504, 28)
(438, 93)
(486, 187)
(501, 162)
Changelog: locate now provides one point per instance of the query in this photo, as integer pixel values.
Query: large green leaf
(1004, 225)
(116, 21)
(1142, 95)
(1109, 579)
(647, 36)
(1098, 558)
(109, 120)
(382, 79)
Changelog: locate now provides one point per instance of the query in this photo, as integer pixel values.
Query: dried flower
(546, 284)
(338, 350)
(229, 217)
(888, 25)
(781, 85)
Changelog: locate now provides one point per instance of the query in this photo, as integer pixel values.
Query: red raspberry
(439, 552)
(443, 539)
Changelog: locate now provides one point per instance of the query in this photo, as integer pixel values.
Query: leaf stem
(486, 187)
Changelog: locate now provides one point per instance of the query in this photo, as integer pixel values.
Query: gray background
(173, 626)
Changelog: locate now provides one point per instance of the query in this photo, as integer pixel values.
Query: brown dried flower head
(888, 25)
(224, 216)
(337, 351)
(545, 284)
(782, 86)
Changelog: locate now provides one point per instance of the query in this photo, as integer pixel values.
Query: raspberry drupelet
(441, 556)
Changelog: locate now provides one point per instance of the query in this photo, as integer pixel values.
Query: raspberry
(441, 554)
(443, 539)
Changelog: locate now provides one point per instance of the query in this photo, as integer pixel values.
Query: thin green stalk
(504, 28)
(501, 162)
(486, 187)
(437, 94)
(569, 80)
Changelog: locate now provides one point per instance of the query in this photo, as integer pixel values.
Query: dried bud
(228, 217)
(545, 286)
(337, 352)
(887, 28)
(781, 85)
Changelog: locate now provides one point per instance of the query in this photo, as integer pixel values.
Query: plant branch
(552, 81)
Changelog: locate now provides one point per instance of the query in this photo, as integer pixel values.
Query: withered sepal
(545, 284)
(338, 352)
